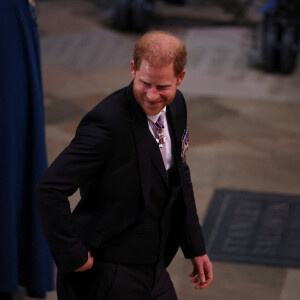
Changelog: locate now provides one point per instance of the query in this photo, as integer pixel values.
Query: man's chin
(149, 109)
(152, 112)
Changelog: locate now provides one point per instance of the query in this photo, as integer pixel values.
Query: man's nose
(152, 93)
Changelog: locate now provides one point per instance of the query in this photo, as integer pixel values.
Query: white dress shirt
(167, 139)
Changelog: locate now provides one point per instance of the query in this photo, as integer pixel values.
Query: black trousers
(111, 281)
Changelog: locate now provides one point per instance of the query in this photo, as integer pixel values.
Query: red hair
(160, 48)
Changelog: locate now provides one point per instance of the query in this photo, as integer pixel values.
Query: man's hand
(88, 265)
(203, 271)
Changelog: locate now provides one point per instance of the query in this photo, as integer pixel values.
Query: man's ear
(132, 69)
(181, 76)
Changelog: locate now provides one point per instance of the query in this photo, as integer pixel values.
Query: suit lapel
(175, 134)
(143, 150)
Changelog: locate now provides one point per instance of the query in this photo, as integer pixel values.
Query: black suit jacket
(109, 160)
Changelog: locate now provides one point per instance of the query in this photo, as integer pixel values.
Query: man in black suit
(137, 204)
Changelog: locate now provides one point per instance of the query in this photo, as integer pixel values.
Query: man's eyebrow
(144, 81)
(159, 85)
(164, 85)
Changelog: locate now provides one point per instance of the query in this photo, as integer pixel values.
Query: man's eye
(162, 88)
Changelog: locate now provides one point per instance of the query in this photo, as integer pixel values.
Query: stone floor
(245, 124)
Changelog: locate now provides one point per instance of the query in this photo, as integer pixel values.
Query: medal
(184, 144)
(160, 136)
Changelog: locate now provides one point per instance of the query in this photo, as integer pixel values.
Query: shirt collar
(154, 118)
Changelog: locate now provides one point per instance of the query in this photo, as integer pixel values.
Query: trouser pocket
(93, 284)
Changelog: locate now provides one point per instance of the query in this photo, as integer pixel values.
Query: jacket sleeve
(76, 165)
(192, 242)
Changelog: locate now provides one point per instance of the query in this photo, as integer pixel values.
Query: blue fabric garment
(267, 6)
(25, 258)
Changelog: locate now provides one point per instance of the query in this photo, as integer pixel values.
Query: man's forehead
(156, 68)
(156, 64)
